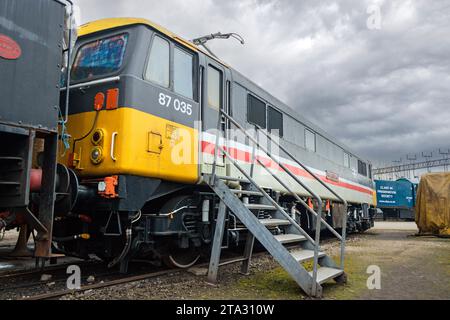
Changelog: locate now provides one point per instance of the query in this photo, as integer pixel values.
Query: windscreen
(99, 58)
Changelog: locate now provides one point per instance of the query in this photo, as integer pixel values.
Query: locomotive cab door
(215, 88)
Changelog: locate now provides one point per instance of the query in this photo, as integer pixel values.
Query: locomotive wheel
(181, 258)
(176, 257)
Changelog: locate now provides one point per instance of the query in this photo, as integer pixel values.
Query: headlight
(97, 136)
(97, 155)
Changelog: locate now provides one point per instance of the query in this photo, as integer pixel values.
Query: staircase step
(9, 183)
(257, 206)
(11, 164)
(227, 178)
(304, 255)
(289, 238)
(246, 192)
(326, 273)
(274, 222)
(12, 159)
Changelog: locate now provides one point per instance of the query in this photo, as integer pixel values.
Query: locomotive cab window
(310, 140)
(275, 121)
(362, 168)
(158, 68)
(183, 73)
(256, 112)
(99, 58)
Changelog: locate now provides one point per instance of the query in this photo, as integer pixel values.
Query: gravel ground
(180, 285)
(186, 285)
(411, 268)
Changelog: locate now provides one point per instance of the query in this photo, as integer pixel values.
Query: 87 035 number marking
(180, 106)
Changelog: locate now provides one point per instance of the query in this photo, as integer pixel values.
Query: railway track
(103, 278)
(13, 274)
(21, 284)
(99, 285)
(122, 280)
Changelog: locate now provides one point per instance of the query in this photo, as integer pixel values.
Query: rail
(224, 116)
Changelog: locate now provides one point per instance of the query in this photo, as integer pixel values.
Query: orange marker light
(112, 99)
(107, 188)
(99, 101)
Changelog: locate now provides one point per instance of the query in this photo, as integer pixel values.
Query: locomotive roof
(111, 23)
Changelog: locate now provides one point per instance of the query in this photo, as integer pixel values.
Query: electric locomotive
(143, 119)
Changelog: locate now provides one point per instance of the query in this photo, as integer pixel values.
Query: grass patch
(277, 284)
(272, 284)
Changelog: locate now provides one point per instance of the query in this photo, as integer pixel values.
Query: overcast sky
(381, 88)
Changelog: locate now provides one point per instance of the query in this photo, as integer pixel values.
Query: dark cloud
(383, 92)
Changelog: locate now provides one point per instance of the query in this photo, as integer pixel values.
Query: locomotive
(397, 198)
(141, 137)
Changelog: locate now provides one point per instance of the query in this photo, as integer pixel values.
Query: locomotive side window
(275, 121)
(214, 88)
(362, 168)
(256, 112)
(183, 73)
(346, 160)
(310, 140)
(158, 68)
(99, 57)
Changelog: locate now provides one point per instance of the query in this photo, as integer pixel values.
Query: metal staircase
(277, 227)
